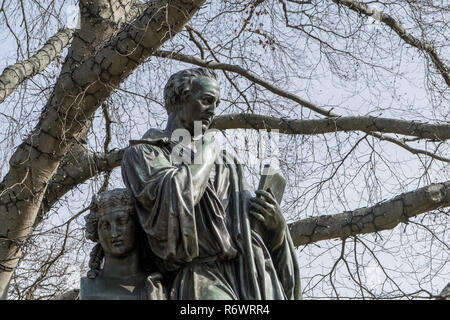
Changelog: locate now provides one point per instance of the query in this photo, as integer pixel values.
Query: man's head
(192, 95)
(111, 222)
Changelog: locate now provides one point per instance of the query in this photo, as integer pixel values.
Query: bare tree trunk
(76, 96)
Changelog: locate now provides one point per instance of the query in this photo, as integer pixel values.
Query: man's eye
(208, 100)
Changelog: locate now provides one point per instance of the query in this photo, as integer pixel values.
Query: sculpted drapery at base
(208, 235)
(126, 273)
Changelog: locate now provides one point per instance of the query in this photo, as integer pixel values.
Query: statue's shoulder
(150, 146)
(154, 137)
(152, 150)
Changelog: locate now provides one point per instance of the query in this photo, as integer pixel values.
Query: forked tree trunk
(77, 94)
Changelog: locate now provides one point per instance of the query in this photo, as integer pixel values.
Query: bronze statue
(210, 237)
(121, 248)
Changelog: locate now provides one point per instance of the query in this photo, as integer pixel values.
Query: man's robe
(209, 249)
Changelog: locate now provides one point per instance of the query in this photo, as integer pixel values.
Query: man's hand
(268, 221)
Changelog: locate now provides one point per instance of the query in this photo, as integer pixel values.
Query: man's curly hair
(179, 85)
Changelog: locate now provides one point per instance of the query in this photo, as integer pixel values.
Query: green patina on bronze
(120, 266)
(208, 236)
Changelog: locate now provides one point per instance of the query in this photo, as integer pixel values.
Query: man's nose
(211, 108)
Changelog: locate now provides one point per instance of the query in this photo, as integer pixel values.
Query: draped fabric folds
(208, 250)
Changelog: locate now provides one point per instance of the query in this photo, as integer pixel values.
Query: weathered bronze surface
(120, 266)
(208, 236)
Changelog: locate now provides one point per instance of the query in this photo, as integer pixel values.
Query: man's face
(200, 105)
(116, 231)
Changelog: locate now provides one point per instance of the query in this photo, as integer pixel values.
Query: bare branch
(245, 73)
(14, 75)
(77, 167)
(382, 216)
(320, 126)
(428, 48)
(408, 148)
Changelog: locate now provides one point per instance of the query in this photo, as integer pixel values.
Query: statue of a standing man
(208, 234)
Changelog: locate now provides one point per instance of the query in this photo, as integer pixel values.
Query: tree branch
(77, 167)
(81, 164)
(14, 75)
(429, 49)
(320, 126)
(245, 73)
(408, 148)
(382, 216)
